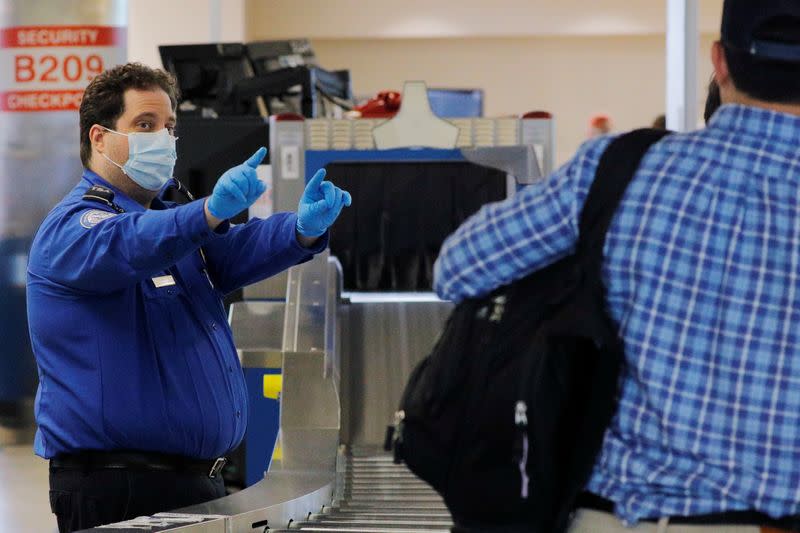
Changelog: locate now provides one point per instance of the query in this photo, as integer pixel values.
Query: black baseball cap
(742, 20)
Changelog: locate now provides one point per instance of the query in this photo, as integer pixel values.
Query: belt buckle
(219, 463)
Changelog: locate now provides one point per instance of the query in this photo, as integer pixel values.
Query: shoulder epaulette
(103, 195)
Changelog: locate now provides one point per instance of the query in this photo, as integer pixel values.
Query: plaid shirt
(701, 265)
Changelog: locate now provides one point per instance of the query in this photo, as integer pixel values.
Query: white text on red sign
(46, 68)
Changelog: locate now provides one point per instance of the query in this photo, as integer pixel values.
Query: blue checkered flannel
(701, 264)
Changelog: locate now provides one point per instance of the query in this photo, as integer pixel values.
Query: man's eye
(145, 125)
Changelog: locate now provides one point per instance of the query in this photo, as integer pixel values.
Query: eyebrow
(152, 116)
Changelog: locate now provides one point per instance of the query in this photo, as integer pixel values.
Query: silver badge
(93, 217)
(163, 281)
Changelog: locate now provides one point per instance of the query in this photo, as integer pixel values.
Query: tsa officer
(141, 393)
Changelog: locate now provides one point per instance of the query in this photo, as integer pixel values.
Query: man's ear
(97, 137)
(721, 72)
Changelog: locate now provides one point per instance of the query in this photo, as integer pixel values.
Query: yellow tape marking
(272, 386)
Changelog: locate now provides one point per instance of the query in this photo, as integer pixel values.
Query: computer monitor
(269, 56)
(207, 75)
(456, 103)
(294, 82)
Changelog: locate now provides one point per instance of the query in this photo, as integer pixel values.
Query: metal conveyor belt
(379, 496)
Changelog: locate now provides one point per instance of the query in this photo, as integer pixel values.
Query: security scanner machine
(327, 347)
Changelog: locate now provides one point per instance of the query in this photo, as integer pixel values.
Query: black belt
(589, 500)
(100, 460)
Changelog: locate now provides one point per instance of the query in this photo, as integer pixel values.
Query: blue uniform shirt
(125, 364)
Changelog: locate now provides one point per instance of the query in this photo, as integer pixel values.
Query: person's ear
(97, 136)
(721, 72)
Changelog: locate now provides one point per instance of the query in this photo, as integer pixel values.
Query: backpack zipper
(521, 445)
(498, 308)
(397, 438)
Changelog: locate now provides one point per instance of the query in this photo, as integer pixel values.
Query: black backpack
(506, 416)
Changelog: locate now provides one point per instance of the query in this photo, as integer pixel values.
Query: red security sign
(46, 68)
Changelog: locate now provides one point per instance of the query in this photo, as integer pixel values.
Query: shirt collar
(120, 198)
(757, 122)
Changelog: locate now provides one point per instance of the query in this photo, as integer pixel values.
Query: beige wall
(573, 77)
(155, 22)
(571, 57)
(337, 19)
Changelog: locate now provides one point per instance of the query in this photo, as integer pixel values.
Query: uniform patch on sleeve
(93, 217)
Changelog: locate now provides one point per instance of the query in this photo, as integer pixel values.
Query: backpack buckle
(219, 463)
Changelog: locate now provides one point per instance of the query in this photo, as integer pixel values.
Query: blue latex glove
(321, 203)
(237, 188)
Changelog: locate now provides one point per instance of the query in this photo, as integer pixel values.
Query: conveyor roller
(379, 496)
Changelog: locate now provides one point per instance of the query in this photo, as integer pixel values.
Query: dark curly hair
(104, 99)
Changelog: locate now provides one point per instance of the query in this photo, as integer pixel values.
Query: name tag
(163, 281)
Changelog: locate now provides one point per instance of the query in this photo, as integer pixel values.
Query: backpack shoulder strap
(616, 169)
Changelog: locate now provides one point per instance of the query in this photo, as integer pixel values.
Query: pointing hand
(321, 203)
(237, 188)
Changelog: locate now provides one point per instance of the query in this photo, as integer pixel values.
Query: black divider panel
(207, 147)
(390, 237)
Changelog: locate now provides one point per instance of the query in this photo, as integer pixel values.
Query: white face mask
(151, 158)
